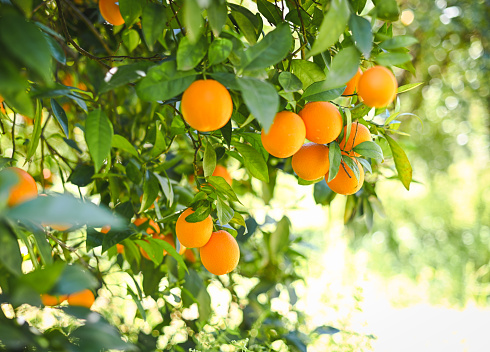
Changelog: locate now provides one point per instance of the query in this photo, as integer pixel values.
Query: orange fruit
(2, 109)
(105, 229)
(345, 183)
(322, 120)
(193, 234)
(169, 238)
(25, 189)
(153, 205)
(377, 87)
(220, 170)
(358, 134)
(60, 227)
(221, 254)
(286, 135)
(153, 227)
(311, 161)
(206, 105)
(190, 256)
(83, 298)
(50, 300)
(120, 248)
(109, 9)
(352, 84)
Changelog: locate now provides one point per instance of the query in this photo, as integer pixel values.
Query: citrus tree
(120, 122)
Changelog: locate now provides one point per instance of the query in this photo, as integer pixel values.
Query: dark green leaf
(9, 251)
(82, 175)
(270, 50)
(322, 193)
(98, 135)
(195, 291)
(60, 115)
(13, 88)
(201, 213)
(334, 157)
(55, 49)
(352, 165)
(289, 82)
(36, 133)
(225, 213)
(363, 36)
(333, 25)
(121, 75)
(160, 144)
(254, 162)
(370, 149)
(153, 23)
(315, 92)
(271, 12)
(387, 10)
(219, 50)
(261, 98)
(74, 278)
(402, 163)
(217, 15)
(130, 10)
(326, 330)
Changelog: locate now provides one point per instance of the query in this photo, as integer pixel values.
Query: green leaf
(60, 115)
(261, 98)
(333, 25)
(160, 144)
(194, 290)
(130, 10)
(138, 303)
(25, 6)
(131, 39)
(122, 143)
(9, 251)
(64, 209)
(225, 213)
(166, 188)
(154, 252)
(56, 50)
(164, 82)
(387, 10)
(193, 21)
(279, 239)
(36, 133)
(246, 21)
(98, 135)
(363, 36)
(82, 175)
(308, 72)
(402, 163)
(74, 278)
(365, 163)
(121, 75)
(201, 213)
(222, 187)
(217, 15)
(315, 92)
(370, 149)
(271, 12)
(390, 59)
(254, 162)
(25, 41)
(352, 165)
(289, 82)
(334, 157)
(153, 23)
(13, 88)
(270, 50)
(410, 86)
(401, 41)
(209, 161)
(219, 50)
(359, 111)
(151, 187)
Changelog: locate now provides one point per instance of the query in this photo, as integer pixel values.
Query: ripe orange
(120, 248)
(377, 87)
(206, 105)
(311, 161)
(358, 134)
(109, 9)
(190, 256)
(25, 189)
(105, 229)
(60, 227)
(345, 183)
(83, 298)
(352, 84)
(285, 136)
(221, 254)
(220, 170)
(322, 120)
(169, 238)
(195, 234)
(50, 300)
(2, 109)
(153, 227)
(48, 178)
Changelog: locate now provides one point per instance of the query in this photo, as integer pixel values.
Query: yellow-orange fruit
(193, 234)
(60, 227)
(25, 189)
(50, 300)
(346, 182)
(286, 135)
(352, 84)
(2, 109)
(206, 105)
(377, 87)
(152, 228)
(322, 120)
(358, 134)
(83, 298)
(190, 256)
(109, 9)
(169, 238)
(221, 254)
(105, 229)
(220, 170)
(120, 248)
(311, 161)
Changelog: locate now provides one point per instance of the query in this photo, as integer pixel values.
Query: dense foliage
(95, 110)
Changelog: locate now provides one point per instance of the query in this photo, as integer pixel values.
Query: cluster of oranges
(84, 298)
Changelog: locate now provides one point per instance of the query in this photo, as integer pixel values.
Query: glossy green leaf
(56, 50)
(254, 162)
(153, 22)
(363, 36)
(122, 143)
(315, 92)
(225, 212)
(402, 163)
(209, 161)
(223, 188)
(410, 86)
(36, 133)
(391, 59)
(270, 50)
(400, 41)
(308, 72)
(365, 163)
(333, 25)
(219, 50)
(131, 39)
(334, 157)
(60, 115)
(193, 21)
(190, 54)
(160, 144)
(200, 213)
(98, 135)
(370, 149)
(246, 21)
(347, 160)
(289, 82)
(261, 98)
(271, 12)
(121, 75)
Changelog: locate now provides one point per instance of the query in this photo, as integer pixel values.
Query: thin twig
(13, 135)
(305, 38)
(71, 249)
(176, 17)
